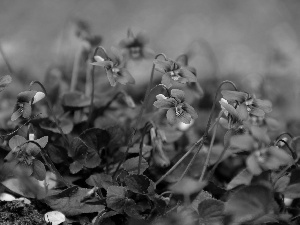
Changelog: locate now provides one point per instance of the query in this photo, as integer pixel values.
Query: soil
(19, 213)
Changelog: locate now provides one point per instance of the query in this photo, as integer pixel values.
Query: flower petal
(38, 97)
(166, 80)
(26, 96)
(26, 110)
(164, 103)
(125, 77)
(111, 78)
(188, 74)
(256, 111)
(182, 60)
(178, 94)
(234, 95)
(162, 66)
(171, 116)
(185, 118)
(103, 63)
(18, 112)
(265, 105)
(190, 110)
(242, 112)
(230, 109)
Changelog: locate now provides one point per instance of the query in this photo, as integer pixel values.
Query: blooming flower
(23, 154)
(173, 71)
(178, 110)
(115, 68)
(135, 45)
(254, 106)
(24, 102)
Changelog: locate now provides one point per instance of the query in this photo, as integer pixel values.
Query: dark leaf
(140, 184)
(57, 154)
(116, 198)
(69, 202)
(16, 141)
(39, 171)
(242, 178)
(131, 165)
(75, 167)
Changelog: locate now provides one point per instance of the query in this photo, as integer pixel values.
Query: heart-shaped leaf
(140, 184)
(69, 202)
(131, 165)
(100, 180)
(242, 178)
(116, 198)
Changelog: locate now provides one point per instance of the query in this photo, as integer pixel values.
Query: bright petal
(164, 103)
(103, 63)
(190, 110)
(178, 94)
(166, 80)
(38, 97)
(234, 95)
(162, 66)
(230, 109)
(171, 116)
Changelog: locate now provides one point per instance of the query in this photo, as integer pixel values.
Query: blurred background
(251, 40)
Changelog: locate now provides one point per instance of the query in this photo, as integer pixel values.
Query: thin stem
(141, 147)
(49, 163)
(294, 154)
(207, 126)
(217, 163)
(144, 105)
(210, 148)
(6, 60)
(183, 157)
(50, 109)
(5, 135)
(93, 84)
(283, 134)
(75, 70)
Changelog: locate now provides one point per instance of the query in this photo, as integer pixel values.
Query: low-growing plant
(115, 161)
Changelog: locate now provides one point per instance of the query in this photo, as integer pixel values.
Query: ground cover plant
(114, 158)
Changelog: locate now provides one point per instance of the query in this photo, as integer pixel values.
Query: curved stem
(210, 147)
(93, 84)
(28, 121)
(50, 109)
(183, 157)
(294, 154)
(208, 125)
(141, 146)
(145, 103)
(283, 134)
(49, 163)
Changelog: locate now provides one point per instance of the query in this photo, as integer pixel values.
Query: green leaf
(250, 203)
(116, 198)
(4, 81)
(57, 154)
(75, 167)
(187, 186)
(39, 171)
(210, 212)
(42, 141)
(131, 165)
(234, 95)
(100, 180)
(140, 184)
(242, 178)
(69, 202)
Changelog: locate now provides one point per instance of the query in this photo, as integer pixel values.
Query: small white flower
(98, 58)
(160, 97)
(31, 137)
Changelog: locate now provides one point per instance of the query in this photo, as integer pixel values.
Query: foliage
(113, 161)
